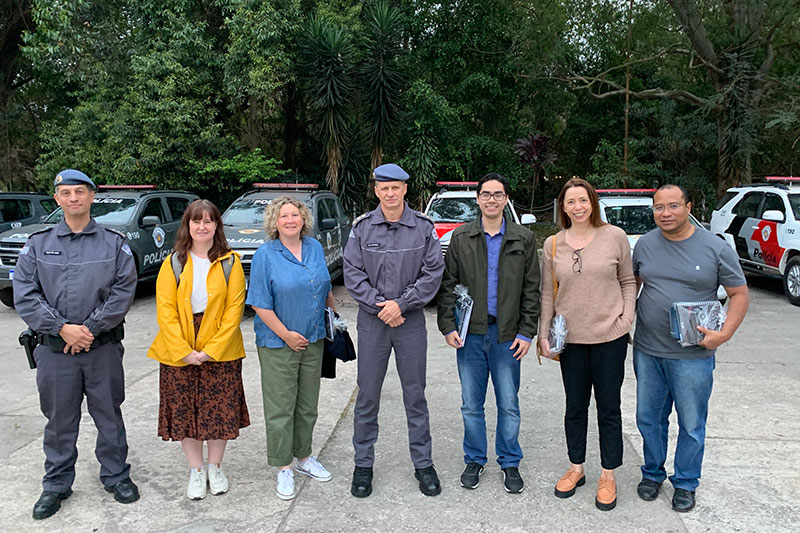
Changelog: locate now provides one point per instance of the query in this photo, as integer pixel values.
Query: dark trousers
(63, 380)
(375, 343)
(600, 367)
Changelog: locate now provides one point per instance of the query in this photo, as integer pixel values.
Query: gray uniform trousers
(375, 343)
(63, 380)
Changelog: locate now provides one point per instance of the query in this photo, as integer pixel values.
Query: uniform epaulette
(361, 217)
(115, 231)
(38, 231)
(422, 215)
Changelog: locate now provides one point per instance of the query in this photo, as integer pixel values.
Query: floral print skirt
(204, 402)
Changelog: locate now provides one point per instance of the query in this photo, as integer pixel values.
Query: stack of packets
(684, 317)
(557, 338)
(463, 310)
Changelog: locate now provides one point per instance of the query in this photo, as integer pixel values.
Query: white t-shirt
(200, 268)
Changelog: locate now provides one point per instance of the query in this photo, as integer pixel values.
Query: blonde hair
(274, 208)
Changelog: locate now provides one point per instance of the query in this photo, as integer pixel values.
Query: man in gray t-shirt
(676, 263)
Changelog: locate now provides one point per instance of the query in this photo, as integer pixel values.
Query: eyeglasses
(670, 207)
(578, 262)
(486, 196)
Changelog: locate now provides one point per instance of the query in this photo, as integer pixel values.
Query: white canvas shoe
(197, 483)
(313, 469)
(286, 484)
(217, 480)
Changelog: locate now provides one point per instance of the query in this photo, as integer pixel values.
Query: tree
(536, 152)
(327, 59)
(736, 48)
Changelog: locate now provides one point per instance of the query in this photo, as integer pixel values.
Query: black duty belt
(491, 319)
(56, 343)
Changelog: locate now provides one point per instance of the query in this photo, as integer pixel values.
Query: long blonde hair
(274, 208)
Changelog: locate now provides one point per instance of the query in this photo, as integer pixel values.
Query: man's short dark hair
(494, 176)
(684, 192)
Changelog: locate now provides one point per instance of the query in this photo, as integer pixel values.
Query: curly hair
(274, 208)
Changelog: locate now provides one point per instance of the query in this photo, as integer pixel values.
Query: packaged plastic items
(558, 334)
(463, 310)
(684, 317)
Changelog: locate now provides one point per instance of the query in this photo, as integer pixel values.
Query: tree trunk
(291, 133)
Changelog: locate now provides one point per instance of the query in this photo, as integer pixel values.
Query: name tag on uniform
(52, 252)
(373, 244)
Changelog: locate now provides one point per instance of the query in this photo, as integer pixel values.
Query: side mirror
(528, 219)
(327, 224)
(150, 221)
(773, 215)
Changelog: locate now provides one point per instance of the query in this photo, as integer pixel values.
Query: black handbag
(341, 348)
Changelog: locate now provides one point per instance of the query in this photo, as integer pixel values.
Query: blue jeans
(687, 383)
(480, 357)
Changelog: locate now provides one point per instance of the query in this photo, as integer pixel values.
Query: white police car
(761, 221)
(456, 204)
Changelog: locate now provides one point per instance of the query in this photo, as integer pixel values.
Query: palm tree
(382, 79)
(535, 151)
(327, 64)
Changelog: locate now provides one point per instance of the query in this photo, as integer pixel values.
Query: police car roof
(25, 193)
(274, 193)
(138, 193)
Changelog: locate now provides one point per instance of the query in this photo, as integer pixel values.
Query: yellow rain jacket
(219, 335)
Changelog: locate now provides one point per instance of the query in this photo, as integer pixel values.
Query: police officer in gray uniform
(73, 284)
(392, 267)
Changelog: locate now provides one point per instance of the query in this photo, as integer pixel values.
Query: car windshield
(794, 201)
(104, 211)
(457, 210)
(247, 212)
(633, 219)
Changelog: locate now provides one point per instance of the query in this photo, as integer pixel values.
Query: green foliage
(327, 63)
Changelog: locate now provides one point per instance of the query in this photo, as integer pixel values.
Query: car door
(15, 213)
(740, 228)
(326, 237)
(764, 237)
(155, 248)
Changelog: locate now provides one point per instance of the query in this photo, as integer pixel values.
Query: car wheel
(791, 280)
(7, 297)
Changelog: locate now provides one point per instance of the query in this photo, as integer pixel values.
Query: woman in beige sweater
(596, 295)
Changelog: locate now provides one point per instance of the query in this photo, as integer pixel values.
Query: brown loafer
(606, 494)
(569, 482)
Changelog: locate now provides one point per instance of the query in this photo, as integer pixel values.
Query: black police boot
(428, 481)
(49, 503)
(362, 482)
(125, 491)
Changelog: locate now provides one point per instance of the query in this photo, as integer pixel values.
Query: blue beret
(390, 172)
(73, 177)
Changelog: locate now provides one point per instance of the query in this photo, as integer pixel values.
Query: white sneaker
(217, 480)
(313, 469)
(197, 483)
(286, 484)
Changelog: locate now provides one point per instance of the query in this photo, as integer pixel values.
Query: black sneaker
(428, 481)
(362, 482)
(512, 481)
(683, 500)
(648, 489)
(49, 503)
(471, 476)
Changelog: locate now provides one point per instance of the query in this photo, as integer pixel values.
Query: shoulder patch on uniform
(434, 234)
(360, 218)
(127, 249)
(24, 250)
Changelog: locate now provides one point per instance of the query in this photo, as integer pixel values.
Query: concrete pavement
(749, 481)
